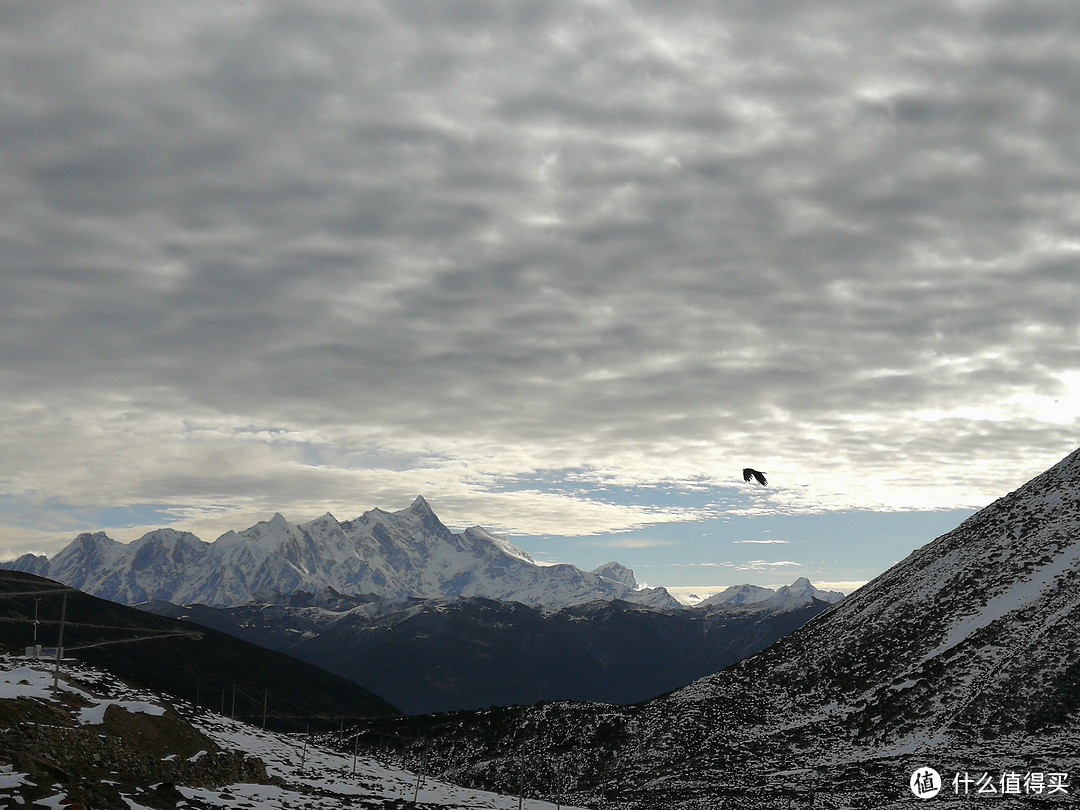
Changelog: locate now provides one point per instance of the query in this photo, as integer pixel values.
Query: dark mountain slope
(206, 667)
(965, 656)
(428, 655)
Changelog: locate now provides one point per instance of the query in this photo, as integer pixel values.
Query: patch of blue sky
(586, 484)
(728, 549)
(51, 515)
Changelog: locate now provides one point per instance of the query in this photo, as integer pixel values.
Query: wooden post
(59, 645)
(521, 779)
(423, 767)
(266, 696)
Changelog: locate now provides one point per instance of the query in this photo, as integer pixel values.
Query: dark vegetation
(476, 653)
(201, 665)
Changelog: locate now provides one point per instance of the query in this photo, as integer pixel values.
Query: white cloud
(759, 565)
(845, 586)
(633, 542)
(290, 258)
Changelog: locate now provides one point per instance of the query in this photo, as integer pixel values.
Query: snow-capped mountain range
(394, 555)
(800, 592)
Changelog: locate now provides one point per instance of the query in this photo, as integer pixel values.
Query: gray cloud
(650, 240)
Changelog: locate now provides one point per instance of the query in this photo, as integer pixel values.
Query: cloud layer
(303, 256)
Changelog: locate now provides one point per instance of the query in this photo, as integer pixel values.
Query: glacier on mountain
(755, 597)
(409, 554)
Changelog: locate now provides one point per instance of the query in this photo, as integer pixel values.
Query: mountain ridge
(441, 655)
(395, 555)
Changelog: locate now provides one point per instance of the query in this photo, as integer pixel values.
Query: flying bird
(747, 474)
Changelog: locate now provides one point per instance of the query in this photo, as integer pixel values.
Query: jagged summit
(395, 555)
(617, 572)
(420, 506)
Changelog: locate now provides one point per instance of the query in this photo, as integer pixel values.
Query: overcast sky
(563, 268)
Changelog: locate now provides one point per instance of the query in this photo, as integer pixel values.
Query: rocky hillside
(103, 743)
(964, 657)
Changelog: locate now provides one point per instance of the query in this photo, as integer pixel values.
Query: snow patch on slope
(1018, 596)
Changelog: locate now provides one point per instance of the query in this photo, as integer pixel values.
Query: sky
(562, 268)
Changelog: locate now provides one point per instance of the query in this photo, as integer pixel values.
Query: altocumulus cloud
(300, 256)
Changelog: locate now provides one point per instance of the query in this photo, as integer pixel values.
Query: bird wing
(749, 473)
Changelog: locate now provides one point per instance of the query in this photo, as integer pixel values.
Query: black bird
(747, 474)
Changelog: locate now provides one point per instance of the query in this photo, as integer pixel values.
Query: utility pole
(423, 767)
(521, 778)
(59, 645)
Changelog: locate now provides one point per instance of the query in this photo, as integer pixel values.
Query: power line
(164, 634)
(20, 620)
(39, 592)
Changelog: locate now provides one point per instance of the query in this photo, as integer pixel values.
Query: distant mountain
(964, 657)
(395, 555)
(440, 655)
(200, 664)
(755, 597)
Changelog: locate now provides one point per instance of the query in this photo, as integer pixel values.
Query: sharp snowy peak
(739, 595)
(617, 572)
(800, 592)
(395, 555)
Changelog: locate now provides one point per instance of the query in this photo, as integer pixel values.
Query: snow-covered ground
(313, 777)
